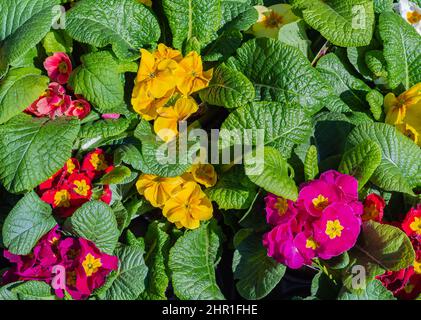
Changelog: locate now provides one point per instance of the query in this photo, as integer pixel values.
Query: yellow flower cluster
(165, 78)
(404, 112)
(181, 198)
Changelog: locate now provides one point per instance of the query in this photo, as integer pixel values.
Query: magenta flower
(53, 103)
(278, 209)
(316, 196)
(59, 67)
(337, 230)
(78, 108)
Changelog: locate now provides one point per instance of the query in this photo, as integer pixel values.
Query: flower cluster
(72, 185)
(86, 267)
(181, 198)
(324, 222)
(404, 112)
(410, 12)
(55, 102)
(163, 86)
(406, 283)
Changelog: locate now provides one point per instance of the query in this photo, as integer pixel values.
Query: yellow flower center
(320, 203)
(71, 278)
(334, 229)
(417, 266)
(416, 225)
(62, 67)
(370, 212)
(273, 20)
(62, 198)
(98, 162)
(91, 265)
(413, 17)
(82, 188)
(54, 241)
(281, 205)
(311, 244)
(70, 166)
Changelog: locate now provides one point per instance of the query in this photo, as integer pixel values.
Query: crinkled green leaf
(34, 290)
(98, 80)
(361, 161)
(383, 5)
(192, 262)
(104, 128)
(345, 23)
(33, 149)
(116, 176)
(188, 19)
(376, 63)
(234, 190)
(28, 221)
(294, 34)
(402, 50)
(400, 168)
(375, 100)
(24, 23)
(127, 25)
(280, 73)
(57, 41)
(96, 222)
(272, 172)
(228, 88)
(257, 274)
(283, 126)
(19, 89)
(311, 164)
(373, 291)
(223, 47)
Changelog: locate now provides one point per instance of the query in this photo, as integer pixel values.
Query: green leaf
(375, 100)
(28, 221)
(129, 281)
(294, 34)
(376, 63)
(272, 173)
(96, 222)
(33, 149)
(383, 5)
(323, 286)
(361, 161)
(104, 128)
(402, 50)
(117, 176)
(223, 47)
(351, 90)
(24, 24)
(280, 73)
(192, 261)
(125, 24)
(374, 291)
(345, 23)
(228, 88)
(234, 190)
(257, 274)
(57, 41)
(6, 294)
(188, 19)
(157, 246)
(98, 80)
(19, 89)
(33, 290)
(400, 168)
(282, 125)
(381, 247)
(311, 164)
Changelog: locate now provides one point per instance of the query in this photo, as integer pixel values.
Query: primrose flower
(80, 185)
(59, 67)
(166, 124)
(410, 12)
(278, 209)
(271, 19)
(53, 103)
(204, 174)
(157, 190)
(96, 163)
(188, 206)
(78, 108)
(404, 112)
(145, 104)
(190, 76)
(373, 208)
(157, 75)
(412, 222)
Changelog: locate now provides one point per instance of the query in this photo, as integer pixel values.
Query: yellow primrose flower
(157, 74)
(272, 19)
(204, 174)
(146, 2)
(404, 112)
(188, 206)
(157, 190)
(145, 104)
(166, 124)
(190, 75)
(164, 52)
